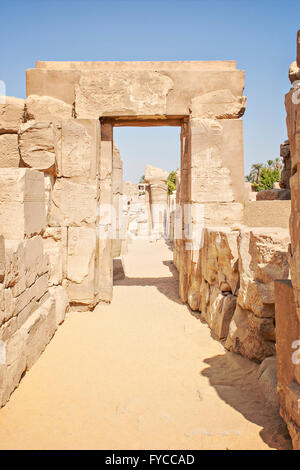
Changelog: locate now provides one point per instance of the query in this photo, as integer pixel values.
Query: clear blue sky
(259, 35)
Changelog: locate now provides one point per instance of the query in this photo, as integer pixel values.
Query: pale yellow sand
(141, 373)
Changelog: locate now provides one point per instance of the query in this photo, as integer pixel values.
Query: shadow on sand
(233, 377)
(166, 285)
(235, 380)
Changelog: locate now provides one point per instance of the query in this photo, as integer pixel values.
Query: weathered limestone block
(294, 249)
(105, 172)
(46, 108)
(210, 180)
(273, 194)
(286, 170)
(219, 258)
(60, 294)
(81, 264)
(292, 106)
(55, 246)
(211, 302)
(222, 316)
(72, 204)
(9, 152)
(103, 280)
(23, 344)
(117, 167)
(117, 189)
(294, 72)
(10, 376)
(231, 282)
(15, 266)
(35, 261)
(49, 181)
(267, 213)
(80, 145)
(267, 381)
(37, 145)
(129, 83)
(219, 104)
(216, 160)
(55, 83)
(158, 198)
(262, 259)
(195, 279)
(214, 277)
(11, 115)
(23, 304)
(121, 93)
(38, 330)
(22, 203)
(251, 336)
(222, 214)
(2, 259)
(154, 175)
(288, 357)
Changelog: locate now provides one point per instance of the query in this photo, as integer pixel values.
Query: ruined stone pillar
(177, 224)
(182, 215)
(117, 189)
(212, 176)
(158, 191)
(105, 214)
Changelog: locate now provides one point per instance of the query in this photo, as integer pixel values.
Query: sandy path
(142, 372)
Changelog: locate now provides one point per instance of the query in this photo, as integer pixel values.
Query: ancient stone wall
(30, 311)
(66, 151)
(287, 293)
(204, 98)
(232, 285)
(158, 200)
(117, 189)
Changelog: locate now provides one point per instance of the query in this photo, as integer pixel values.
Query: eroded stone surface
(46, 108)
(22, 205)
(121, 93)
(81, 264)
(9, 151)
(11, 115)
(220, 104)
(37, 144)
(72, 204)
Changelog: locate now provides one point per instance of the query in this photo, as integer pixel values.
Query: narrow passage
(141, 373)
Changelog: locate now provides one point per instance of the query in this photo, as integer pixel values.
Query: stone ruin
(283, 192)
(287, 292)
(63, 218)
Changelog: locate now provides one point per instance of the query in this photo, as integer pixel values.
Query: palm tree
(270, 163)
(255, 172)
(277, 163)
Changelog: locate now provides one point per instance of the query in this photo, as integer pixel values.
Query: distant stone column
(286, 170)
(117, 189)
(158, 189)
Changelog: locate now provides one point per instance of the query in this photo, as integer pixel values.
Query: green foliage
(142, 179)
(268, 176)
(263, 176)
(171, 182)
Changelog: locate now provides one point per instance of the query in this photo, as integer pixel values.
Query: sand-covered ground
(140, 373)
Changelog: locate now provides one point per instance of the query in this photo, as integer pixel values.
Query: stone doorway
(156, 196)
(204, 98)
